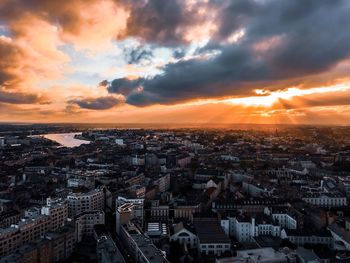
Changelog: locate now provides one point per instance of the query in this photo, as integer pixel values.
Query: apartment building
(244, 228)
(139, 246)
(25, 231)
(57, 209)
(54, 247)
(325, 199)
(284, 217)
(78, 203)
(137, 207)
(85, 222)
(163, 182)
(7, 218)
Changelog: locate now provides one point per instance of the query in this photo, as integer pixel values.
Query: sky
(176, 61)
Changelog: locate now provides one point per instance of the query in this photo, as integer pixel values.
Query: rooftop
(255, 255)
(209, 231)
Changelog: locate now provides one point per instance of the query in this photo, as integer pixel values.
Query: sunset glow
(267, 99)
(131, 61)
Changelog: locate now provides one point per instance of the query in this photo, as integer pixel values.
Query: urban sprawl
(254, 195)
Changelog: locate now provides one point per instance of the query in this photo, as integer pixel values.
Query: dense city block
(253, 194)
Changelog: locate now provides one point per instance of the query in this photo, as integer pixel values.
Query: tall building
(137, 208)
(124, 214)
(58, 211)
(85, 222)
(78, 203)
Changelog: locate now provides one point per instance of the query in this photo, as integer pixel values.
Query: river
(66, 139)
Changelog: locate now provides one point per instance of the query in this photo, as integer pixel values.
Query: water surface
(66, 139)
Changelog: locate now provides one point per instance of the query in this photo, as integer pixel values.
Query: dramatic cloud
(85, 23)
(159, 21)
(102, 103)
(282, 41)
(147, 52)
(124, 86)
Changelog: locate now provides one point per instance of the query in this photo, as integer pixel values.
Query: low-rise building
(302, 237)
(139, 246)
(183, 234)
(107, 251)
(259, 255)
(211, 237)
(325, 199)
(244, 228)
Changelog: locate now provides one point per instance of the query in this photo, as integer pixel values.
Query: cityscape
(270, 193)
(174, 131)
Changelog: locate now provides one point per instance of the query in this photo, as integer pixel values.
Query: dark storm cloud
(102, 103)
(158, 21)
(124, 86)
(201, 78)
(284, 40)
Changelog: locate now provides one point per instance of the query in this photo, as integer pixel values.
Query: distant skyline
(178, 61)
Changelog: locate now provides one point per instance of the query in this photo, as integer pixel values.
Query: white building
(78, 203)
(245, 228)
(282, 217)
(325, 199)
(119, 142)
